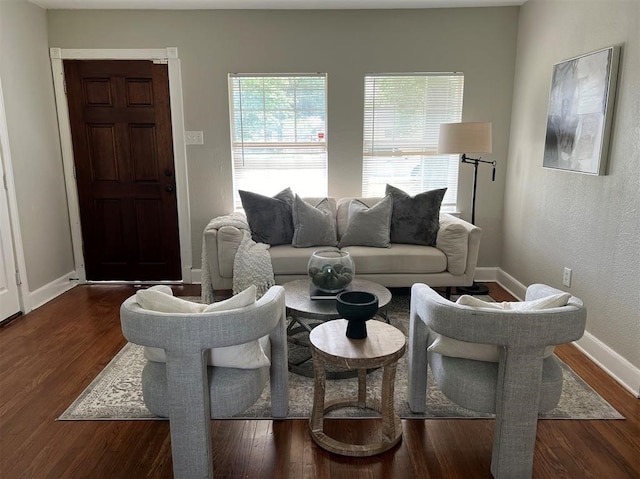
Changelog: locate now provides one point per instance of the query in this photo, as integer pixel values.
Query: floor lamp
(463, 138)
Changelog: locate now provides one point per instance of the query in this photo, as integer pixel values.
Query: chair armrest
(199, 331)
(459, 240)
(517, 329)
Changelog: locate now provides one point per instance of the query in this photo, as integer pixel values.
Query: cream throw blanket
(251, 265)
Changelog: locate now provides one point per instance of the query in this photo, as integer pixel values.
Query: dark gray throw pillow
(269, 219)
(415, 219)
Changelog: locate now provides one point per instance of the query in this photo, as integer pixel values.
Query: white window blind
(278, 134)
(402, 117)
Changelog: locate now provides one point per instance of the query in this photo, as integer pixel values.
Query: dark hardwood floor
(50, 355)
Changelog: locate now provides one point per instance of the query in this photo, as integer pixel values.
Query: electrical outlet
(193, 138)
(566, 277)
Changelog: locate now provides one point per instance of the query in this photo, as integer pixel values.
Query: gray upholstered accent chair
(188, 391)
(516, 388)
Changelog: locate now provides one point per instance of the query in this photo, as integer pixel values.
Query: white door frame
(19, 276)
(163, 55)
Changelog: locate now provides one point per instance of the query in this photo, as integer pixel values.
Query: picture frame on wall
(580, 112)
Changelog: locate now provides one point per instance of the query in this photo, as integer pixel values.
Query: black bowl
(356, 307)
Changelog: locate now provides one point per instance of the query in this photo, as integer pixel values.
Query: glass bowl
(331, 270)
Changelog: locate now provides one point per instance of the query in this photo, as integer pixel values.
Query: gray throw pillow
(368, 226)
(313, 225)
(269, 219)
(415, 219)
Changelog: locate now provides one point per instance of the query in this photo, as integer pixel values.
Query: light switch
(193, 138)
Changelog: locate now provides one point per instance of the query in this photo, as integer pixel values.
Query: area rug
(116, 394)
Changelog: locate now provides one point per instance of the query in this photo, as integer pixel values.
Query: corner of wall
(512, 285)
(50, 291)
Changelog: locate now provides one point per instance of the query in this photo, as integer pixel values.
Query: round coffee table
(301, 306)
(305, 313)
(382, 347)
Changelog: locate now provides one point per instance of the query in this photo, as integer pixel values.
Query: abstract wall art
(580, 112)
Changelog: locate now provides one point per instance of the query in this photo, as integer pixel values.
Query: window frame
(275, 178)
(404, 161)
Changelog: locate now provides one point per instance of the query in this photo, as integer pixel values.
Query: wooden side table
(382, 347)
(304, 313)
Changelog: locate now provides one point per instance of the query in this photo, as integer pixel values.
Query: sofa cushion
(491, 352)
(397, 259)
(249, 355)
(368, 226)
(415, 219)
(289, 260)
(313, 224)
(270, 219)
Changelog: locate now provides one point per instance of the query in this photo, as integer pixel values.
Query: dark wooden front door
(123, 151)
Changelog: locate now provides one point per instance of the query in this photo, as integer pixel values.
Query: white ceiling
(268, 4)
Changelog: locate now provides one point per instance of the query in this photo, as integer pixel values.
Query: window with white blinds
(402, 117)
(279, 134)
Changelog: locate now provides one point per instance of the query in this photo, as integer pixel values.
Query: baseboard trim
(196, 276)
(512, 285)
(51, 290)
(606, 358)
(611, 362)
(484, 275)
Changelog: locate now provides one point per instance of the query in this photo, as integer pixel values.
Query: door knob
(168, 189)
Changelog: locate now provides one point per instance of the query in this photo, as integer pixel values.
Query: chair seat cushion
(232, 390)
(472, 384)
(466, 350)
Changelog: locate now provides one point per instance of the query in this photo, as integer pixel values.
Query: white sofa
(452, 262)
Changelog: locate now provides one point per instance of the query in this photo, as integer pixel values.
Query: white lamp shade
(467, 137)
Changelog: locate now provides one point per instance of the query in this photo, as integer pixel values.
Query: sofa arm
(221, 245)
(459, 240)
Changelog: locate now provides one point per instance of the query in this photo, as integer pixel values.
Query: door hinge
(64, 85)
(18, 280)
(161, 61)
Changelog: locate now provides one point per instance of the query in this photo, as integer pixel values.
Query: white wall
(344, 44)
(590, 224)
(34, 148)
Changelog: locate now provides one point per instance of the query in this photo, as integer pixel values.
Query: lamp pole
(476, 288)
(457, 138)
(475, 162)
